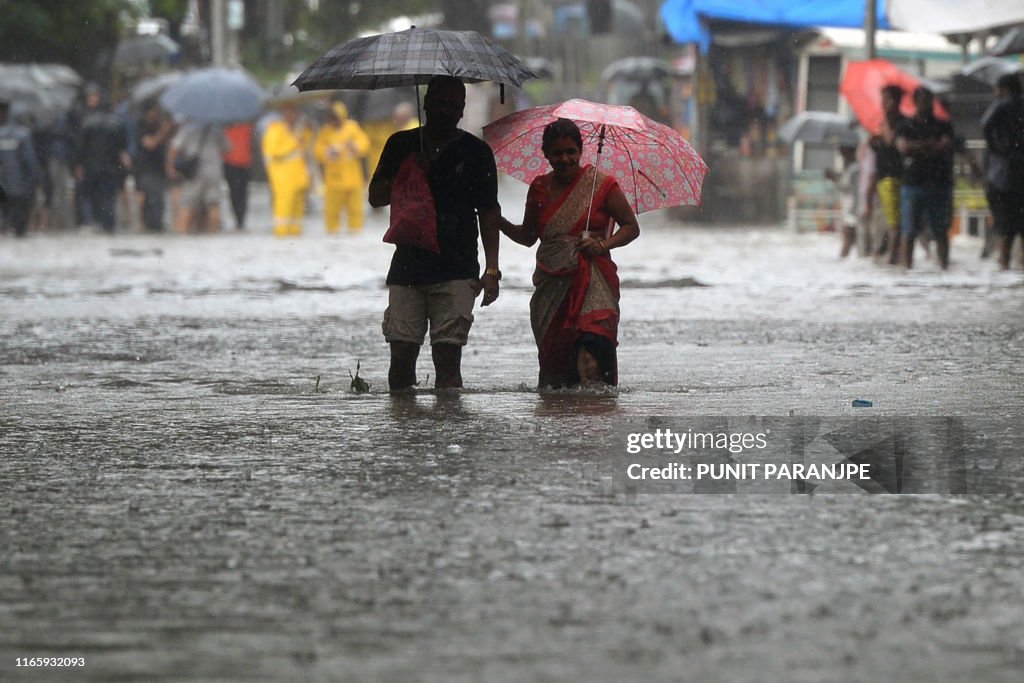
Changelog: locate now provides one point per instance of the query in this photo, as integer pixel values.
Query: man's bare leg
(894, 247)
(1005, 249)
(447, 366)
(183, 221)
(942, 249)
(402, 373)
(212, 218)
(849, 238)
(907, 252)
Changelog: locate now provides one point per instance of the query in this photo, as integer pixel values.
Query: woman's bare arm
(525, 234)
(629, 229)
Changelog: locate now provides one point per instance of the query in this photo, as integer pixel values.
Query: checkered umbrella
(412, 57)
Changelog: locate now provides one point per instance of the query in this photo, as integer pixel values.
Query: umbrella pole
(593, 185)
(419, 119)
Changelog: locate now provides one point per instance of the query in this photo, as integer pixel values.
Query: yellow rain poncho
(284, 151)
(341, 147)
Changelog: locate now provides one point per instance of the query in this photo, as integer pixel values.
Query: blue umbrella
(215, 95)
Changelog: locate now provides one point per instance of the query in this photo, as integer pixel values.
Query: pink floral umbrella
(655, 166)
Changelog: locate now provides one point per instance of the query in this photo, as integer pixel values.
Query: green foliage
(74, 32)
(172, 10)
(310, 32)
(338, 21)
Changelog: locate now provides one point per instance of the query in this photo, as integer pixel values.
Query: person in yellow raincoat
(340, 148)
(403, 117)
(285, 143)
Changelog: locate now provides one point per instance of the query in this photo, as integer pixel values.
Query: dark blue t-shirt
(888, 160)
(930, 169)
(464, 180)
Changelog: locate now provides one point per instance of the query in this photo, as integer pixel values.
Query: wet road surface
(192, 493)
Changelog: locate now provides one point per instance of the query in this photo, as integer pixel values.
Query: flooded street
(191, 492)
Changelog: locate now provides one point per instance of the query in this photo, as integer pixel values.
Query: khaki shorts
(200, 193)
(447, 306)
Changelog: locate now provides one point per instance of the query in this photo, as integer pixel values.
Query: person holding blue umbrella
(194, 160)
(206, 100)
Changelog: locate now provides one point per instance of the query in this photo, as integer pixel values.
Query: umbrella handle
(419, 115)
(419, 118)
(593, 185)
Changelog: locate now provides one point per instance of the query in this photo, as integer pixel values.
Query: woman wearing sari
(575, 306)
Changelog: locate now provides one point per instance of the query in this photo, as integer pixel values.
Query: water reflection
(576, 403)
(428, 405)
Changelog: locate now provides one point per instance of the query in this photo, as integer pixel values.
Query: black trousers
(1007, 211)
(238, 189)
(153, 187)
(100, 192)
(16, 213)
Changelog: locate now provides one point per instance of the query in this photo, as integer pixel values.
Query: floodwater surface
(192, 492)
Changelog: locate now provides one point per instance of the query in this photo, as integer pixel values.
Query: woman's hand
(592, 246)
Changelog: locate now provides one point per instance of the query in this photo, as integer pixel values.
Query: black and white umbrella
(989, 70)
(1011, 43)
(43, 91)
(637, 69)
(821, 127)
(151, 88)
(412, 57)
(156, 47)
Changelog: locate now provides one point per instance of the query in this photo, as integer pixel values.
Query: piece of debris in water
(359, 385)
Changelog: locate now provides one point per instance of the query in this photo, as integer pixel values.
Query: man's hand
(489, 285)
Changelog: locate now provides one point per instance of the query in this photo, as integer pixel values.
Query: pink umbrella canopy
(655, 166)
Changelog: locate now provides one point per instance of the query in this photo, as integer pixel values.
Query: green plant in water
(359, 385)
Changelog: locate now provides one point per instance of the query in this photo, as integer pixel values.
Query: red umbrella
(655, 166)
(862, 87)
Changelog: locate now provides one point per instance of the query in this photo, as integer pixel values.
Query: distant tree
(335, 21)
(600, 14)
(466, 15)
(80, 33)
(338, 21)
(173, 11)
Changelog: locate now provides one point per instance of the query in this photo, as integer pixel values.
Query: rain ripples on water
(192, 491)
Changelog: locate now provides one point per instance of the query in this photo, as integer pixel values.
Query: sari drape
(576, 299)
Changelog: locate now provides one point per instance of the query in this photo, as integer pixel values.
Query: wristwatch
(493, 271)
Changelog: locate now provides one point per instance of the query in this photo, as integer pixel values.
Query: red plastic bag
(413, 215)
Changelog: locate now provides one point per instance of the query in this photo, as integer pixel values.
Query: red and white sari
(576, 300)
